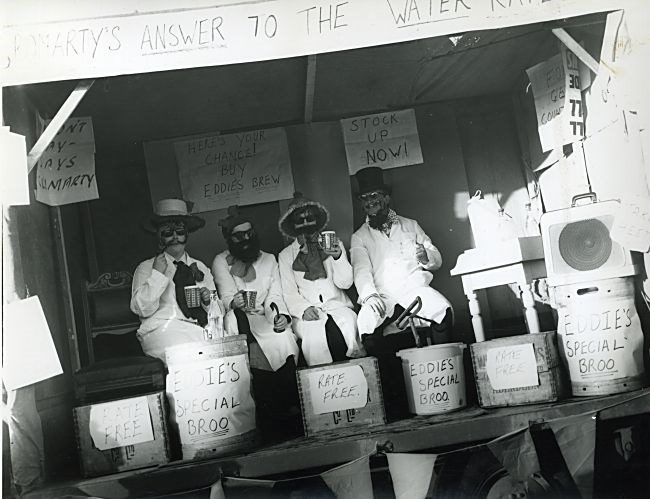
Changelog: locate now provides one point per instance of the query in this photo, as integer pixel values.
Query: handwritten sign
(65, 173)
(211, 399)
(512, 367)
(114, 39)
(631, 227)
(387, 140)
(338, 389)
(23, 326)
(120, 423)
(574, 122)
(240, 168)
(437, 385)
(601, 339)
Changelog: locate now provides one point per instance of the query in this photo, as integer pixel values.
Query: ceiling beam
(310, 84)
(577, 49)
(57, 122)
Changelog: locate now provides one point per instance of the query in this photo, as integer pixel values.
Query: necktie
(184, 276)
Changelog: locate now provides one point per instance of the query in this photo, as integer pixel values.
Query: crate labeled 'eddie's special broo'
(122, 434)
(341, 395)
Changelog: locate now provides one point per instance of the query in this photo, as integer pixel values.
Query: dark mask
(246, 251)
(378, 219)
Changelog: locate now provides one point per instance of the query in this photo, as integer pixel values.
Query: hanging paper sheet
(65, 173)
(240, 168)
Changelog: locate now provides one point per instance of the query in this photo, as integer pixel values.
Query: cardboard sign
(211, 399)
(387, 140)
(240, 168)
(512, 366)
(112, 38)
(120, 423)
(437, 385)
(631, 228)
(338, 389)
(601, 340)
(15, 188)
(24, 326)
(65, 173)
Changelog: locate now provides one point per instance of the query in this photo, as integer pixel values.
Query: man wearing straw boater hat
(158, 294)
(314, 277)
(248, 281)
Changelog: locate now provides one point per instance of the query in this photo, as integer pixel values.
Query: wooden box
(341, 395)
(123, 421)
(508, 365)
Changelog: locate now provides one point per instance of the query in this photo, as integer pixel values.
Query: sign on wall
(65, 173)
(240, 168)
(386, 140)
(118, 39)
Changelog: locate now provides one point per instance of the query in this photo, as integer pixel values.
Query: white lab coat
(386, 265)
(276, 346)
(327, 296)
(153, 299)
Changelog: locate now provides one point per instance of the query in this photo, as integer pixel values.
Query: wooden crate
(552, 384)
(95, 462)
(337, 384)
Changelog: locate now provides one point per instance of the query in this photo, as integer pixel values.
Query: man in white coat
(243, 269)
(313, 283)
(157, 293)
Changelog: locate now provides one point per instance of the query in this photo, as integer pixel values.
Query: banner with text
(387, 140)
(120, 40)
(65, 173)
(211, 399)
(240, 168)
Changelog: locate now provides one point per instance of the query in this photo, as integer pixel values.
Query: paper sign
(556, 85)
(65, 173)
(15, 188)
(240, 168)
(631, 227)
(338, 389)
(387, 140)
(512, 366)
(29, 354)
(211, 399)
(120, 423)
(601, 340)
(437, 385)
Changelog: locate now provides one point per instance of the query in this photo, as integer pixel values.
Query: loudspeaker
(577, 244)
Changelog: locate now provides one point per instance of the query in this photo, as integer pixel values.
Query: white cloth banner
(240, 168)
(387, 140)
(105, 40)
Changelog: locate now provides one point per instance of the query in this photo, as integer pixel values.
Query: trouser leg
(335, 341)
(243, 325)
(442, 331)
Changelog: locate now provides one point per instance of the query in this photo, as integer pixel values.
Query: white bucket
(434, 377)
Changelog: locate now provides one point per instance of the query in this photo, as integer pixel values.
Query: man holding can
(315, 272)
(162, 284)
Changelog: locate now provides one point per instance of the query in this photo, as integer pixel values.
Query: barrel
(209, 392)
(434, 377)
(600, 336)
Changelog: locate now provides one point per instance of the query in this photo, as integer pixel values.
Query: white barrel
(434, 378)
(600, 336)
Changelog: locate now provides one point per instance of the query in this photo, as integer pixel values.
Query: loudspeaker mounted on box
(578, 246)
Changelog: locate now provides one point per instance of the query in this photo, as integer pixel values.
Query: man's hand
(334, 252)
(421, 254)
(238, 301)
(376, 304)
(280, 323)
(160, 263)
(310, 314)
(206, 295)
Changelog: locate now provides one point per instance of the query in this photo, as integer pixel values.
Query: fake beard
(246, 251)
(378, 219)
(164, 243)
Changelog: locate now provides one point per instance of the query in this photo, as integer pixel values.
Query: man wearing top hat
(242, 268)
(393, 260)
(158, 290)
(313, 283)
